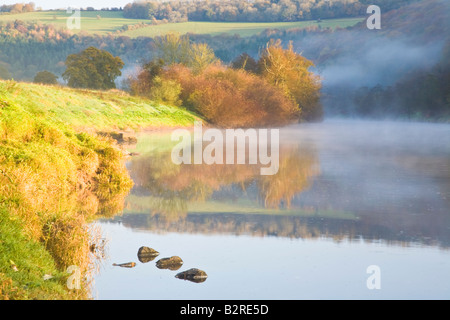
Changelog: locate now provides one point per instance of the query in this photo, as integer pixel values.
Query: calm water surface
(348, 195)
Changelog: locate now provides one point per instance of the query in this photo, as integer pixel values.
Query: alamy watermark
(229, 146)
(374, 21)
(74, 280)
(374, 280)
(74, 21)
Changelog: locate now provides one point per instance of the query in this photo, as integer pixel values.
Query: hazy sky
(55, 4)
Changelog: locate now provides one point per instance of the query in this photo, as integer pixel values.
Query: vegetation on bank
(54, 178)
(278, 89)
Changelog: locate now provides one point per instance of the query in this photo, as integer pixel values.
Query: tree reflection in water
(170, 188)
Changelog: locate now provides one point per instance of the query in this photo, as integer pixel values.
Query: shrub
(45, 77)
(229, 97)
(166, 92)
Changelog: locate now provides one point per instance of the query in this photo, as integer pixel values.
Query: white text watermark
(229, 146)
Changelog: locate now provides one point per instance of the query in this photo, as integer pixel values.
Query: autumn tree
(174, 48)
(142, 84)
(200, 57)
(289, 71)
(92, 68)
(245, 62)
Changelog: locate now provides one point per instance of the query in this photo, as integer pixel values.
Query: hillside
(92, 22)
(243, 29)
(113, 22)
(56, 175)
(90, 109)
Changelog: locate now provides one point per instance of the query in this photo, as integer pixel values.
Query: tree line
(19, 42)
(275, 90)
(253, 11)
(18, 8)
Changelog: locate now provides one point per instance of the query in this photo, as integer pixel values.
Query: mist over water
(380, 62)
(349, 194)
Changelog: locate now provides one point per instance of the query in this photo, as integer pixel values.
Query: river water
(357, 210)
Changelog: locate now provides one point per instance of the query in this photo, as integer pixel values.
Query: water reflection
(360, 193)
(168, 189)
(375, 182)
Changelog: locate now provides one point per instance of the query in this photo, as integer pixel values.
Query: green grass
(243, 29)
(32, 263)
(56, 175)
(111, 21)
(99, 110)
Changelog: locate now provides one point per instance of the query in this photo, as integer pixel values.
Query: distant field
(244, 29)
(111, 21)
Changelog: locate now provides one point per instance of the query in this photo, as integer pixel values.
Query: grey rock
(146, 254)
(194, 275)
(172, 263)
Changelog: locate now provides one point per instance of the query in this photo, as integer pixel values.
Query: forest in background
(399, 71)
(253, 11)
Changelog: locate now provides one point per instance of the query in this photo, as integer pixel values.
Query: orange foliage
(233, 98)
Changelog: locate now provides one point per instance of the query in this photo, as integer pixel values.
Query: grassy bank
(55, 177)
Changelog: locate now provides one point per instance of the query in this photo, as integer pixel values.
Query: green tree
(45, 77)
(166, 91)
(174, 48)
(92, 68)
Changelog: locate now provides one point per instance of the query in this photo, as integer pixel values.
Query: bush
(166, 92)
(276, 90)
(229, 97)
(45, 77)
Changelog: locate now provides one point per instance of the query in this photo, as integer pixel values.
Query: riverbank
(57, 174)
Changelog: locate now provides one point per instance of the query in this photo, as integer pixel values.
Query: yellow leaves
(289, 71)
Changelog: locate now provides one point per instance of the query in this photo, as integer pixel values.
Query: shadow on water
(339, 180)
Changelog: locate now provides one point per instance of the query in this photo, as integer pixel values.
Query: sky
(56, 4)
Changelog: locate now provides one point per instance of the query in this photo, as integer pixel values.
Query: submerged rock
(194, 275)
(146, 254)
(172, 263)
(125, 265)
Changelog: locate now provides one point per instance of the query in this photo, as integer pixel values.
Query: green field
(104, 22)
(243, 29)
(110, 21)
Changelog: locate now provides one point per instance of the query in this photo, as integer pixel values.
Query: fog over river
(349, 195)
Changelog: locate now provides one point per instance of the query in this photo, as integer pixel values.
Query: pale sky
(56, 4)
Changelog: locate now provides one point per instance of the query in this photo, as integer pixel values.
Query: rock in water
(194, 275)
(125, 265)
(172, 263)
(146, 254)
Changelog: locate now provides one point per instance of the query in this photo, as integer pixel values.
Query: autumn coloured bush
(274, 91)
(233, 98)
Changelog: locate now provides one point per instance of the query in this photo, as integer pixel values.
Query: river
(357, 210)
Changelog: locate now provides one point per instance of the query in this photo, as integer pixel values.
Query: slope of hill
(92, 22)
(55, 177)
